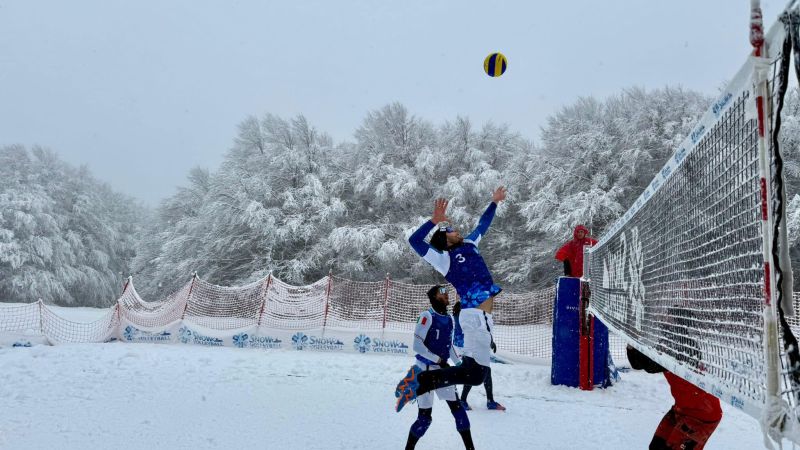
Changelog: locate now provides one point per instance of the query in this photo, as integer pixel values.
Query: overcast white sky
(141, 91)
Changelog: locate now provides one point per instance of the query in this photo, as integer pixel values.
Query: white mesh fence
(153, 314)
(523, 321)
(290, 307)
(225, 308)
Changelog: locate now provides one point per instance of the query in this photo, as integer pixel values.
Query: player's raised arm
(486, 219)
(417, 239)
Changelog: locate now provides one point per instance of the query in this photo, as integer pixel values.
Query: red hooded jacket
(573, 250)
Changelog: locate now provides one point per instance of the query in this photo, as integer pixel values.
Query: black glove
(443, 363)
(567, 268)
(494, 347)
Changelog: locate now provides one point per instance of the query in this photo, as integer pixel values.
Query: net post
(327, 298)
(385, 299)
(264, 298)
(771, 350)
(189, 295)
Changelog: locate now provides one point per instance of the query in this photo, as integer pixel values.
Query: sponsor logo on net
(302, 341)
(622, 278)
(133, 334)
(721, 103)
(244, 340)
(363, 344)
(187, 336)
(698, 133)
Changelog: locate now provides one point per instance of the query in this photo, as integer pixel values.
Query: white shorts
(446, 393)
(476, 325)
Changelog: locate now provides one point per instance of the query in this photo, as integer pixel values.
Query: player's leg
(490, 403)
(684, 433)
(468, 373)
(419, 427)
(462, 423)
(464, 393)
(663, 432)
(450, 395)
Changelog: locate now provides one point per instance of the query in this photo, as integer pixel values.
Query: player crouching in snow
(433, 344)
(459, 260)
(692, 419)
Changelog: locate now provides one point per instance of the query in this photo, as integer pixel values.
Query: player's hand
(494, 347)
(443, 363)
(499, 194)
(439, 209)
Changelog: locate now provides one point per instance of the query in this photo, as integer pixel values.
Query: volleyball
(495, 64)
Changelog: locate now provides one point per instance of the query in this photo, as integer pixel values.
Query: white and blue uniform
(465, 269)
(462, 266)
(433, 341)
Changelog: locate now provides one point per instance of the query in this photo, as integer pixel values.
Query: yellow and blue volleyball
(495, 64)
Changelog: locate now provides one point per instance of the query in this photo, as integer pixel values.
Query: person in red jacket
(692, 419)
(571, 253)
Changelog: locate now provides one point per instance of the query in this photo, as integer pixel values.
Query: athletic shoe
(465, 405)
(406, 389)
(495, 406)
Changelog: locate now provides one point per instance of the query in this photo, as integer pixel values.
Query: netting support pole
(760, 78)
(41, 317)
(385, 299)
(327, 298)
(264, 298)
(127, 282)
(189, 295)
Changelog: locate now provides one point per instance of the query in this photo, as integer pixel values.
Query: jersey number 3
(460, 258)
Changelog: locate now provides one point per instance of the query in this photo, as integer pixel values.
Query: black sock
(465, 392)
(487, 384)
(412, 441)
(466, 436)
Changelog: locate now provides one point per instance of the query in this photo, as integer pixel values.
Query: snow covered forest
(288, 199)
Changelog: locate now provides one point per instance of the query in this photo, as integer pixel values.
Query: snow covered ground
(148, 396)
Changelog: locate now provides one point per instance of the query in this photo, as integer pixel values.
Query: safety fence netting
(334, 314)
(688, 275)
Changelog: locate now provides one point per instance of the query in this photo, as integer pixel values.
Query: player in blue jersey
(458, 343)
(459, 260)
(433, 344)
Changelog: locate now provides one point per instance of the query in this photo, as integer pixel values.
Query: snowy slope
(142, 396)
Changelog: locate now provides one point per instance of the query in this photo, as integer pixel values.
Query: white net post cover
(223, 307)
(290, 307)
(357, 305)
(156, 314)
(681, 274)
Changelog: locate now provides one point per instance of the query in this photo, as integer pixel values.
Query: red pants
(681, 432)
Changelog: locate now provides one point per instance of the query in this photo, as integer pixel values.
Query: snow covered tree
(64, 237)
(596, 157)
